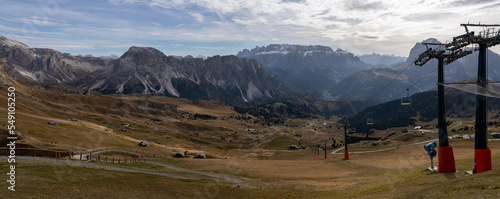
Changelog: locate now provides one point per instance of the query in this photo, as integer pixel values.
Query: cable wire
(391, 81)
(414, 84)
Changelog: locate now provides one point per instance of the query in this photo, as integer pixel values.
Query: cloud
(361, 26)
(426, 16)
(198, 17)
(470, 2)
(209, 47)
(363, 6)
(369, 37)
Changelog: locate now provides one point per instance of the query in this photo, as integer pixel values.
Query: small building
(180, 154)
(495, 135)
(144, 143)
(201, 155)
(54, 123)
(293, 147)
(456, 137)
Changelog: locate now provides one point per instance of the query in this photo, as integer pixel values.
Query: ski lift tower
(346, 154)
(487, 38)
(445, 54)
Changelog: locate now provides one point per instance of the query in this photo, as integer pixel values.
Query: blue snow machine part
(431, 153)
(430, 146)
(430, 149)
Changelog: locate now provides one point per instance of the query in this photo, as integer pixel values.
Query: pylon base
(346, 155)
(483, 160)
(446, 160)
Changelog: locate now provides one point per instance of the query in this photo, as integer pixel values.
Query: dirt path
(77, 156)
(235, 180)
(98, 128)
(90, 165)
(457, 125)
(261, 144)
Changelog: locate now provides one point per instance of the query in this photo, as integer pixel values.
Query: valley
(222, 127)
(238, 146)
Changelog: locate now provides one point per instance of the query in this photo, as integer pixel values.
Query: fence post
(113, 160)
(98, 158)
(81, 154)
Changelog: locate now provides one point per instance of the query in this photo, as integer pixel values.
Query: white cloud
(198, 17)
(389, 26)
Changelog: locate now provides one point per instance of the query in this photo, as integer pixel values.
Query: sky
(224, 27)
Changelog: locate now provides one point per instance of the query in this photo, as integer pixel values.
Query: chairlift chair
(369, 121)
(353, 130)
(405, 101)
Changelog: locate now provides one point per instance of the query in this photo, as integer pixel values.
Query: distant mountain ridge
(370, 83)
(147, 70)
(102, 57)
(313, 69)
(381, 60)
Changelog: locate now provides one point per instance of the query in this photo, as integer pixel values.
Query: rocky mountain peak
(284, 49)
(144, 55)
(136, 50)
(8, 42)
(312, 68)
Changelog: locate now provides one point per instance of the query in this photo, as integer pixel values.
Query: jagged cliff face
(46, 65)
(313, 69)
(226, 78)
(147, 70)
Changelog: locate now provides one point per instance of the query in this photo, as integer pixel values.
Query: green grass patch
(279, 143)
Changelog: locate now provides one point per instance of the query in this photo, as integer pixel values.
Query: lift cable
(414, 84)
(392, 80)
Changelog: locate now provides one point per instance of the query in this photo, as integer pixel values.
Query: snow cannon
(430, 148)
(431, 152)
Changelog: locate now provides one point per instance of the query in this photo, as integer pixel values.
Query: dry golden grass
(266, 169)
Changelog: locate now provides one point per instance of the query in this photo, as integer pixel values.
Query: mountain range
(312, 69)
(148, 71)
(340, 75)
(379, 60)
(145, 70)
(382, 84)
(261, 75)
